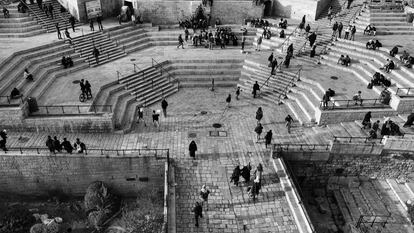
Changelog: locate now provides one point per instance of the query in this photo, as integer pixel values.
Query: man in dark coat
(410, 120)
(164, 105)
(59, 35)
(56, 144)
(51, 10)
(99, 21)
(79, 146)
(198, 212)
(256, 88)
(235, 176)
(192, 149)
(312, 39)
(95, 53)
(67, 146)
(268, 138)
(72, 22)
(50, 144)
(340, 28)
(274, 64)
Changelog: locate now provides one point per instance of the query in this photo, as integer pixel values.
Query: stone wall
(42, 174)
(402, 105)
(296, 9)
(234, 12)
(77, 8)
(11, 117)
(324, 117)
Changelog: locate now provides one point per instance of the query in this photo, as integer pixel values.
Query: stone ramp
(229, 208)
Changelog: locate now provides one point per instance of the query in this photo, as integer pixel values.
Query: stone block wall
(42, 174)
(296, 9)
(324, 117)
(165, 12)
(402, 105)
(235, 12)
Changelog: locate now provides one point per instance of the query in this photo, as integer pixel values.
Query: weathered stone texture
(38, 175)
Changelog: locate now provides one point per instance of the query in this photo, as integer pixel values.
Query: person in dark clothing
(259, 114)
(340, 28)
(56, 144)
(6, 13)
(325, 100)
(67, 34)
(51, 10)
(228, 100)
(69, 61)
(91, 25)
(349, 4)
(372, 134)
(366, 122)
(82, 86)
(270, 59)
(307, 29)
(50, 144)
(46, 10)
(394, 51)
(164, 105)
(235, 176)
(192, 149)
(180, 42)
(313, 51)
(198, 212)
(39, 4)
(268, 138)
(238, 90)
(287, 60)
(156, 118)
(99, 21)
(88, 90)
(256, 88)
(79, 146)
(15, 93)
(67, 146)
(72, 22)
(282, 34)
(245, 173)
(334, 30)
(410, 120)
(95, 53)
(353, 31)
(258, 130)
(376, 125)
(64, 62)
(312, 39)
(289, 121)
(3, 135)
(274, 64)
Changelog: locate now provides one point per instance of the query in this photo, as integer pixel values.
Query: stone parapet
(324, 117)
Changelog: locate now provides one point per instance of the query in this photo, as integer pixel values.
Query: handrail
(101, 151)
(287, 39)
(306, 41)
(302, 147)
(90, 108)
(404, 88)
(359, 139)
(36, 16)
(352, 19)
(278, 67)
(9, 98)
(157, 64)
(334, 104)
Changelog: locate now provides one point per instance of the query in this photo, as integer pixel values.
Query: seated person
(368, 29)
(372, 134)
(410, 120)
(281, 22)
(69, 61)
(409, 63)
(373, 31)
(28, 76)
(330, 92)
(404, 56)
(268, 34)
(384, 81)
(347, 61)
(15, 94)
(285, 24)
(378, 44)
(341, 60)
(357, 98)
(395, 129)
(282, 34)
(390, 66)
(393, 51)
(370, 44)
(64, 63)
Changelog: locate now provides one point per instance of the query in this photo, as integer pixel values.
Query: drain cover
(192, 135)
(334, 77)
(203, 112)
(217, 125)
(76, 81)
(133, 59)
(218, 133)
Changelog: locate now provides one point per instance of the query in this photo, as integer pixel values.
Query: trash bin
(410, 17)
(385, 97)
(32, 104)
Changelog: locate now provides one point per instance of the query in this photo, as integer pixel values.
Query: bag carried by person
(369, 86)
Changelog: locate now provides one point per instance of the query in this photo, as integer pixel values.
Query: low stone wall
(71, 174)
(402, 105)
(324, 117)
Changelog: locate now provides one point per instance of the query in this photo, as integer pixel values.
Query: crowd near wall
(71, 174)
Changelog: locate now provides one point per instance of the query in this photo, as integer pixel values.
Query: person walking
(141, 115)
(238, 90)
(72, 22)
(340, 28)
(259, 114)
(243, 42)
(67, 34)
(198, 212)
(235, 176)
(88, 90)
(50, 145)
(99, 21)
(353, 31)
(91, 25)
(164, 105)
(259, 43)
(67, 146)
(156, 118)
(258, 130)
(59, 35)
(334, 30)
(56, 144)
(228, 100)
(270, 59)
(95, 53)
(204, 193)
(180, 42)
(256, 88)
(192, 149)
(289, 121)
(366, 122)
(268, 138)
(274, 65)
(46, 10)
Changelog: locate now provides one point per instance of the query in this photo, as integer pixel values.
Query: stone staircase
(141, 88)
(229, 207)
(19, 24)
(48, 23)
(109, 49)
(387, 22)
(356, 197)
(43, 62)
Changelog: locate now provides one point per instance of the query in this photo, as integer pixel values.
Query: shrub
(17, 220)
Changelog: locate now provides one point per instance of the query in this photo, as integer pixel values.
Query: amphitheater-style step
(402, 192)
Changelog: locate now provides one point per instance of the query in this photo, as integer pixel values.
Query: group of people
(337, 31)
(344, 60)
(252, 189)
(379, 79)
(283, 23)
(85, 87)
(54, 145)
(156, 116)
(48, 9)
(371, 44)
(370, 30)
(327, 97)
(21, 7)
(99, 21)
(67, 61)
(388, 127)
(406, 59)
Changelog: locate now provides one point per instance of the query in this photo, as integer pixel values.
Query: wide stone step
(401, 192)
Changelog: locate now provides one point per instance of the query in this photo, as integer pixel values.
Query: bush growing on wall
(17, 220)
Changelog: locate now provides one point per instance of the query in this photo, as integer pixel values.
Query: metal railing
(287, 40)
(158, 153)
(371, 220)
(277, 68)
(136, 69)
(301, 147)
(352, 104)
(171, 78)
(404, 92)
(72, 109)
(357, 139)
(37, 17)
(291, 83)
(8, 99)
